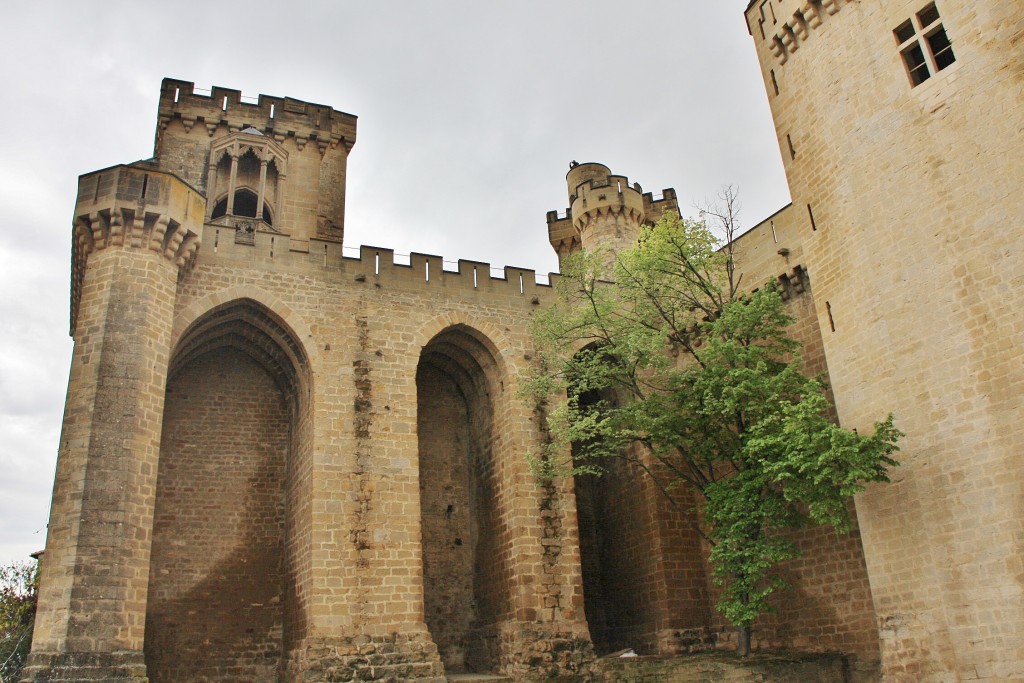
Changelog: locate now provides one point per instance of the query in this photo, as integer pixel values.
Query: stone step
(477, 678)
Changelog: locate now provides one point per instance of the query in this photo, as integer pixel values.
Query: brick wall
(451, 520)
(217, 575)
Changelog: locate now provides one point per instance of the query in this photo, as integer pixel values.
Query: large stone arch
(232, 520)
(492, 336)
(466, 494)
(277, 309)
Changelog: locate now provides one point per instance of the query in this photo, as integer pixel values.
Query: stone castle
(280, 463)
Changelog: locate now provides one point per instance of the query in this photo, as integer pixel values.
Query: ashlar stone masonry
(282, 463)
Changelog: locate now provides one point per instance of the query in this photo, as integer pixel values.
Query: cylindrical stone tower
(605, 212)
(135, 230)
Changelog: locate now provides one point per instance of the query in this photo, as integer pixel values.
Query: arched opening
(466, 563)
(244, 206)
(229, 508)
(644, 585)
(607, 519)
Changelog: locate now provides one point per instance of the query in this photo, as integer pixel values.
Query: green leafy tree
(18, 590)
(668, 364)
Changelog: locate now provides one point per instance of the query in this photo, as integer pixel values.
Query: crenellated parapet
(605, 211)
(375, 267)
(134, 207)
(278, 160)
(279, 117)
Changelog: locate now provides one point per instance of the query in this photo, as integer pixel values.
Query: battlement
(137, 206)
(280, 117)
(611, 195)
(375, 266)
(138, 183)
(594, 191)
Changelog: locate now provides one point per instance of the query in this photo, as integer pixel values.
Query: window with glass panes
(924, 45)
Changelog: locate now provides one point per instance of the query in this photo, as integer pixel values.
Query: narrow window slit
(774, 235)
(792, 150)
(521, 289)
(376, 263)
(272, 111)
(177, 91)
(426, 270)
(474, 278)
(224, 104)
(145, 184)
(810, 214)
(831, 321)
(775, 82)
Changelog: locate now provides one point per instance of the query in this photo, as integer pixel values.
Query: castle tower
(899, 125)
(605, 212)
(275, 165)
(253, 481)
(643, 580)
(136, 230)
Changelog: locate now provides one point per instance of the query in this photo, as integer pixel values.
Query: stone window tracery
(247, 173)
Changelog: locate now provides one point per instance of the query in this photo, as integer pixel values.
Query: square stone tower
(900, 125)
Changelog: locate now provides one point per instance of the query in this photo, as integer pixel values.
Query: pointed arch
(464, 489)
(233, 479)
(273, 307)
(490, 336)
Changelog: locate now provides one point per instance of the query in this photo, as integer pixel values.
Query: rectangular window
(941, 48)
(928, 16)
(904, 32)
(924, 45)
(913, 56)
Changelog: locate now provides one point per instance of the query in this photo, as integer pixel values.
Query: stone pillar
(94, 575)
(263, 188)
(211, 186)
(232, 182)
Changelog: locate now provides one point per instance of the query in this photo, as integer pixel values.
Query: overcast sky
(469, 114)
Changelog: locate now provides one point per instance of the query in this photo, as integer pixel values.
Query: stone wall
(723, 669)
(909, 201)
(217, 575)
(341, 490)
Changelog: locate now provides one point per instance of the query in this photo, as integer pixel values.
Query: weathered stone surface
(281, 462)
(907, 200)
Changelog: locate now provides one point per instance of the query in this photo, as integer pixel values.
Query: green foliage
(664, 351)
(18, 586)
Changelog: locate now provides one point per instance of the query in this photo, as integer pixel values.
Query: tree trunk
(743, 641)
(743, 631)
